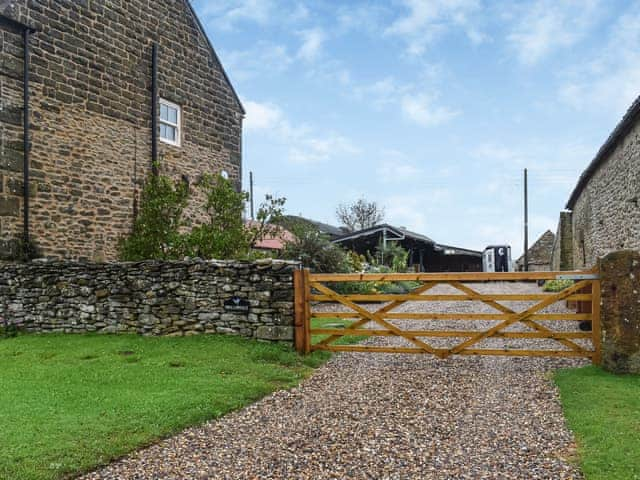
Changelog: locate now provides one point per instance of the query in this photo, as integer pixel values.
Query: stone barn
(93, 95)
(603, 212)
(425, 255)
(539, 255)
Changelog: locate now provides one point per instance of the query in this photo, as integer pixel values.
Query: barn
(425, 255)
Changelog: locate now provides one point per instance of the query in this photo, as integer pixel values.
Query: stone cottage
(93, 95)
(539, 255)
(603, 211)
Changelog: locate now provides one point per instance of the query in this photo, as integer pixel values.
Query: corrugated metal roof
(398, 231)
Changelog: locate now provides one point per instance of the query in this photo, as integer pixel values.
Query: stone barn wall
(539, 255)
(91, 101)
(604, 208)
(151, 298)
(562, 251)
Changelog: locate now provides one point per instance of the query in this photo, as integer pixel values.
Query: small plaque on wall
(236, 304)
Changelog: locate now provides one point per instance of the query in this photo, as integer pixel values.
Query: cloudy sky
(430, 107)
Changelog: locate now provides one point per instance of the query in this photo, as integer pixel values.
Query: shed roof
(400, 232)
(325, 228)
(449, 250)
(623, 127)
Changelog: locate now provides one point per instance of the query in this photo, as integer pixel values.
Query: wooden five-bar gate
(383, 319)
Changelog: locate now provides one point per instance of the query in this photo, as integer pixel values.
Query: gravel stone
(388, 416)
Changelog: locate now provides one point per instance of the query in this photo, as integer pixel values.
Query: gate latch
(579, 276)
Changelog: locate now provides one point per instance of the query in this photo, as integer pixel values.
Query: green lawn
(332, 323)
(69, 403)
(603, 410)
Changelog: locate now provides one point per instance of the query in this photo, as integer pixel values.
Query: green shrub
(392, 258)
(224, 235)
(556, 285)
(156, 229)
(157, 234)
(315, 251)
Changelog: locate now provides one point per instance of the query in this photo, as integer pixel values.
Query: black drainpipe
(26, 33)
(154, 110)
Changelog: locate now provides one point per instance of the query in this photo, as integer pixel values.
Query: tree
(268, 219)
(360, 214)
(156, 229)
(156, 232)
(225, 235)
(316, 251)
(392, 256)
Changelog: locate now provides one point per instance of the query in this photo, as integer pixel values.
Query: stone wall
(539, 255)
(562, 252)
(620, 311)
(91, 117)
(605, 210)
(151, 298)
(606, 215)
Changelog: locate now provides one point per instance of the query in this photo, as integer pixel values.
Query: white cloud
(312, 42)
(417, 210)
(225, 14)
(423, 110)
(262, 59)
(549, 25)
(361, 17)
(411, 100)
(610, 80)
(501, 155)
(316, 149)
(304, 144)
(261, 116)
(427, 20)
(380, 93)
(396, 168)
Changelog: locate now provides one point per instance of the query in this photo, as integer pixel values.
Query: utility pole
(526, 223)
(251, 193)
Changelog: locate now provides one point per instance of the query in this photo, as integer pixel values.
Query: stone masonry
(604, 209)
(151, 298)
(91, 69)
(620, 312)
(539, 255)
(562, 251)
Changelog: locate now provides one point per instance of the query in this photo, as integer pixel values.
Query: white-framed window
(170, 122)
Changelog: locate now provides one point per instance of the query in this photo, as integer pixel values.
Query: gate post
(596, 327)
(620, 312)
(301, 305)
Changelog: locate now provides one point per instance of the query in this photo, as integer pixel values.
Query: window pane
(164, 112)
(163, 130)
(173, 115)
(171, 133)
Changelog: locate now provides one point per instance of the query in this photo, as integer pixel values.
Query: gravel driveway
(385, 416)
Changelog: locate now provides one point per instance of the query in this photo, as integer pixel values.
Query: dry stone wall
(254, 300)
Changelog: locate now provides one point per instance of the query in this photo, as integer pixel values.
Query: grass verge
(603, 410)
(72, 402)
(333, 323)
